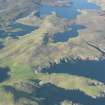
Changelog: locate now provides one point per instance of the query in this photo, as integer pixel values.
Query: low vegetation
(28, 54)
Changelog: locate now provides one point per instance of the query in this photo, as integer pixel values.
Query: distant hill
(13, 9)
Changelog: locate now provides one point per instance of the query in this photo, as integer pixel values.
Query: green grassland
(28, 53)
(18, 82)
(31, 50)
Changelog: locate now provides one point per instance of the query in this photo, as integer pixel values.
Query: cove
(23, 30)
(49, 94)
(91, 69)
(54, 95)
(63, 37)
(69, 12)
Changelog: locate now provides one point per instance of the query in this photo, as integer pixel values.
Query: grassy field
(21, 83)
(25, 55)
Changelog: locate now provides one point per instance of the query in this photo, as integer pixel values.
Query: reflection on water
(62, 37)
(91, 69)
(4, 74)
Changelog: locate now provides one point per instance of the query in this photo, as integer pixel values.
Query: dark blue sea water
(73, 32)
(50, 94)
(24, 29)
(69, 12)
(89, 69)
(4, 74)
(92, 69)
(53, 95)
